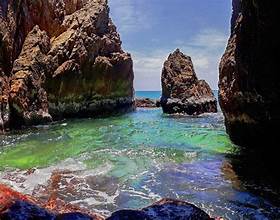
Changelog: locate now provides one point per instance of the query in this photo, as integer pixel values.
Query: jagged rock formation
(249, 80)
(60, 58)
(182, 92)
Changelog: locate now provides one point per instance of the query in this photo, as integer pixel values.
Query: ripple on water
(130, 161)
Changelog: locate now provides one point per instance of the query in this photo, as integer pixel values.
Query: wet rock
(16, 206)
(65, 61)
(249, 80)
(147, 103)
(22, 210)
(165, 209)
(182, 92)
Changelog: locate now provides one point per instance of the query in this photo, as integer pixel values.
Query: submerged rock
(147, 103)
(60, 59)
(182, 92)
(249, 85)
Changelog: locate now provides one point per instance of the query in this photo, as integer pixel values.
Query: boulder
(182, 92)
(165, 209)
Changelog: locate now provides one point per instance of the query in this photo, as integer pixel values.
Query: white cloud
(210, 38)
(129, 16)
(205, 48)
(147, 69)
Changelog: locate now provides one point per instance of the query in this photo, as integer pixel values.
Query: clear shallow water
(131, 161)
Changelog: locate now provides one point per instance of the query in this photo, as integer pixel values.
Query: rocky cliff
(249, 79)
(182, 92)
(60, 58)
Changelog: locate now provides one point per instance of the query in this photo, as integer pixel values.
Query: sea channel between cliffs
(63, 69)
(133, 160)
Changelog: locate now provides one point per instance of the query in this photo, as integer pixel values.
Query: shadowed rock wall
(249, 74)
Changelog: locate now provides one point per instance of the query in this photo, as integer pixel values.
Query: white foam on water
(26, 183)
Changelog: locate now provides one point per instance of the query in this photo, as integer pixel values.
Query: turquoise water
(132, 160)
(157, 94)
(148, 94)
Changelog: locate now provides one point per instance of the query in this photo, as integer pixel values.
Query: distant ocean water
(148, 94)
(157, 94)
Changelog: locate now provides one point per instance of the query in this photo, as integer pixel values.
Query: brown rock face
(182, 92)
(60, 58)
(249, 79)
(147, 103)
(27, 95)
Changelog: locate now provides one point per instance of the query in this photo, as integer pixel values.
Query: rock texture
(182, 92)
(147, 103)
(165, 209)
(16, 206)
(60, 58)
(249, 79)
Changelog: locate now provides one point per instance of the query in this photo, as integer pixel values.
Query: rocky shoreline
(16, 206)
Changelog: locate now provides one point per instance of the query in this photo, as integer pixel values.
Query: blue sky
(151, 29)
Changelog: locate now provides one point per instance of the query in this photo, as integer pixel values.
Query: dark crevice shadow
(258, 171)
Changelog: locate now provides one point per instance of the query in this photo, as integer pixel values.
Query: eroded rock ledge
(249, 74)
(182, 92)
(14, 205)
(60, 58)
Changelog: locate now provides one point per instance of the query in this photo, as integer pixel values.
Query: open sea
(148, 94)
(132, 160)
(157, 94)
